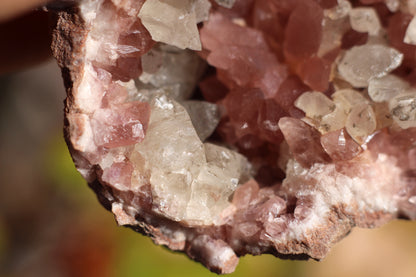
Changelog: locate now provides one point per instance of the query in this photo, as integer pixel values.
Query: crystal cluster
(225, 128)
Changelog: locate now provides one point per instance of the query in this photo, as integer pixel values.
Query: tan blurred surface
(13, 8)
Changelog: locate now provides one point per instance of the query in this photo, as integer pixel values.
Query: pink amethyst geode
(224, 128)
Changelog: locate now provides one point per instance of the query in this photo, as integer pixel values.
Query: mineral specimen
(225, 128)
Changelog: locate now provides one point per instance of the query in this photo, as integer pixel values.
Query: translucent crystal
(365, 20)
(315, 104)
(169, 70)
(119, 175)
(383, 115)
(332, 33)
(361, 63)
(121, 125)
(403, 109)
(334, 120)
(348, 98)
(393, 5)
(384, 88)
(173, 155)
(339, 11)
(410, 36)
(202, 8)
(171, 21)
(205, 117)
(190, 181)
(361, 122)
(216, 181)
(304, 142)
(305, 24)
(242, 54)
(340, 146)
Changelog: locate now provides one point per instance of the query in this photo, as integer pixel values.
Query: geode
(225, 128)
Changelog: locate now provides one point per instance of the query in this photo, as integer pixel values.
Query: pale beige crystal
(202, 8)
(173, 160)
(226, 3)
(168, 70)
(339, 11)
(191, 182)
(383, 115)
(348, 98)
(205, 117)
(334, 120)
(361, 63)
(393, 5)
(403, 109)
(384, 88)
(315, 104)
(172, 21)
(215, 183)
(365, 20)
(332, 33)
(361, 122)
(410, 36)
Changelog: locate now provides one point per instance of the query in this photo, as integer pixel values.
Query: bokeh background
(52, 225)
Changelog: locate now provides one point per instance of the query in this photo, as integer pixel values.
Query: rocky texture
(310, 129)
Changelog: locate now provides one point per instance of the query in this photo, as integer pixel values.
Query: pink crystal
(353, 38)
(288, 92)
(304, 142)
(119, 174)
(132, 42)
(243, 108)
(268, 121)
(315, 72)
(121, 125)
(304, 31)
(340, 146)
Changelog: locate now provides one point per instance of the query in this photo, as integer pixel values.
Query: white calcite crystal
(361, 63)
(202, 8)
(174, 21)
(348, 108)
(168, 70)
(334, 120)
(365, 20)
(410, 36)
(361, 122)
(205, 117)
(315, 104)
(384, 88)
(348, 98)
(403, 109)
(393, 5)
(217, 180)
(173, 161)
(183, 172)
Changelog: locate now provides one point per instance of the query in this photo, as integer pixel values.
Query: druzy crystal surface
(225, 128)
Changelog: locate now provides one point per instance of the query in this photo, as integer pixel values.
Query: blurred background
(52, 225)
